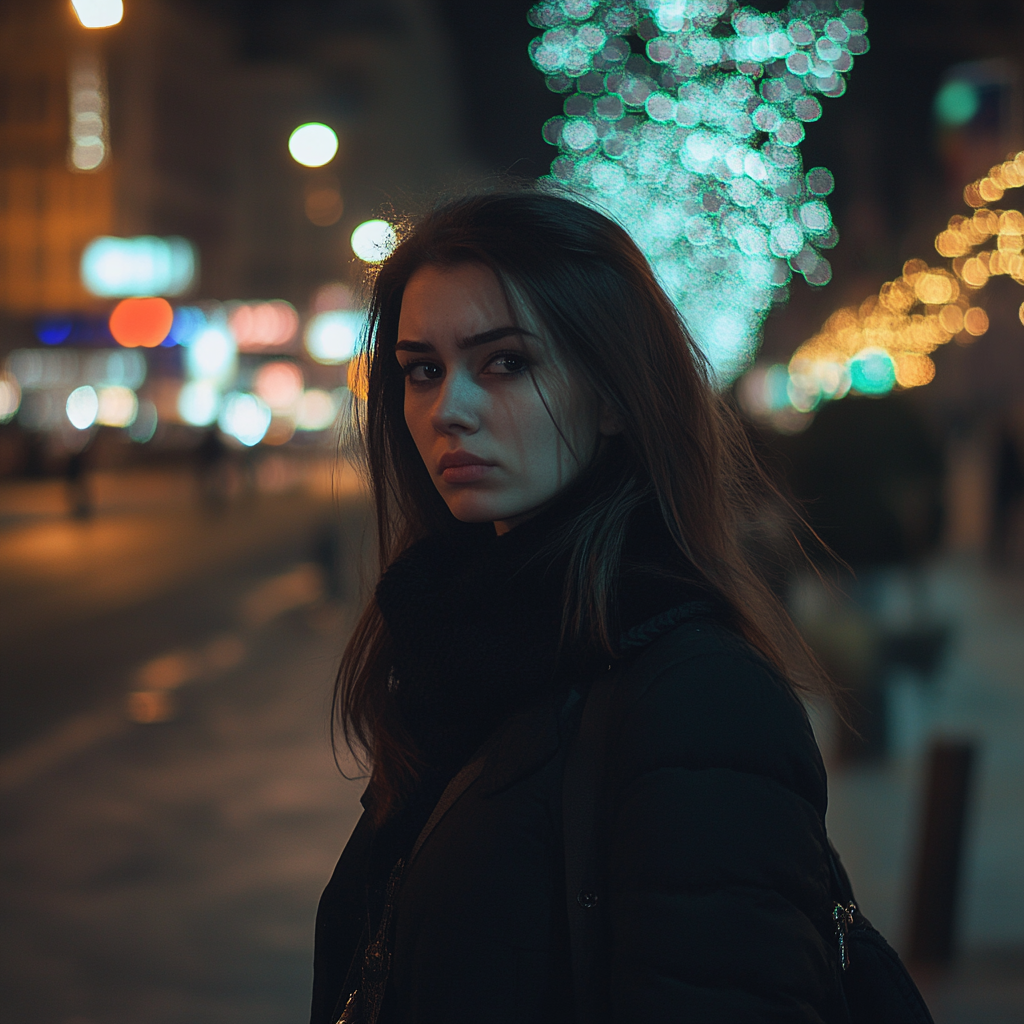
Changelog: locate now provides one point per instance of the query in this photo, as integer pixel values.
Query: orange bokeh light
(141, 322)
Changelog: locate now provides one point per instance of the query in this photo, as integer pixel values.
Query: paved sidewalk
(170, 876)
(875, 810)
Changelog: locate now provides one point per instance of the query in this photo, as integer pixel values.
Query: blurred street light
(98, 13)
(82, 407)
(122, 267)
(333, 337)
(10, 398)
(373, 241)
(144, 322)
(198, 402)
(211, 355)
(313, 144)
(87, 113)
(245, 417)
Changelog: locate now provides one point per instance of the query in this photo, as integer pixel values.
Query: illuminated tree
(683, 120)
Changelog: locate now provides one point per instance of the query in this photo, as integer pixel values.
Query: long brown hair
(594, 293)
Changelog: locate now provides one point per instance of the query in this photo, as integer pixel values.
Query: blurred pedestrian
(560, 495)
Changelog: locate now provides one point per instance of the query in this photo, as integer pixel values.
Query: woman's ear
(610, 422)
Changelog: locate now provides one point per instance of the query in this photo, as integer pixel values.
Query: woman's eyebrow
(495, 334)
(474, 340)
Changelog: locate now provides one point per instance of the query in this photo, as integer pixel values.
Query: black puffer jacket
(716, 869)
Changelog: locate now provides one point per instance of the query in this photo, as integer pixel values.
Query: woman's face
(476, 384)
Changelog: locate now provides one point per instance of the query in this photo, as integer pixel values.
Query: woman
(559, 490)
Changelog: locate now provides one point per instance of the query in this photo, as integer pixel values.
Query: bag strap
(584, 773)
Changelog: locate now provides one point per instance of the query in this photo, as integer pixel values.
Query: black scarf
(475, 624)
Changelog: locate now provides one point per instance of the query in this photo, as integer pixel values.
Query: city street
(171, 809)
(168, 871)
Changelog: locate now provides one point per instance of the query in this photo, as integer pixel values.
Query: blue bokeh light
(54, 330)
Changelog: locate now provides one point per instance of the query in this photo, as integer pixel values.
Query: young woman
(559, 490)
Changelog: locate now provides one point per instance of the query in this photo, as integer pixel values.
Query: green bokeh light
(872, 372)
(956, 103)
(683, 119)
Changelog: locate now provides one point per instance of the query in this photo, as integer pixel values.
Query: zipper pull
(843, 918)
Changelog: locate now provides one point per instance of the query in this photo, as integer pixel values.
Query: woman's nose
(457, 407)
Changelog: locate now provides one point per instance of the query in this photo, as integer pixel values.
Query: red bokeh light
(141, 322)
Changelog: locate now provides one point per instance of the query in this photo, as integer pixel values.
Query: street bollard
(940, 853)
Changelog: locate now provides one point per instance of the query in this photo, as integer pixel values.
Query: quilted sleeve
(718, 891)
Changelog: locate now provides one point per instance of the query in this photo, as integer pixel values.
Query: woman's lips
(465, 474)
(462, 468)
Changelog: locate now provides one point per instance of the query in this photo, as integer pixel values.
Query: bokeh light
(872, 372)
(53, 330)
(316, 410)
(373, 240)
(188, 322)
(244, 417)
(143, 427)
(10, 398)
(887, 340)
(333, 337)
(684, 122)
(313, 144)
(211, 355)
(98, 13)
(279, 384)
(324, 206)
(82, 406)
(87, 113)
(141, 322)
(198, 403)
(118, 406)
(258, 326)
(121, 267)
(975, 321)
(956, 103)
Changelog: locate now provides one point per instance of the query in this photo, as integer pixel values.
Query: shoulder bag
(876, 985)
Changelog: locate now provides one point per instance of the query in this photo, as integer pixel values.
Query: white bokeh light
(10, 398)
(197, 403)
(245, 417)
(211, 354)
(98, 13)
(332, 337)
(373, 240)
(143, 266)
(313, 144)
(82, 406)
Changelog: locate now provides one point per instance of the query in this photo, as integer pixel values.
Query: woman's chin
(484, 509)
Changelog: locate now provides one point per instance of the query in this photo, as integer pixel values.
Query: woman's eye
(420, 373)
(506, 363)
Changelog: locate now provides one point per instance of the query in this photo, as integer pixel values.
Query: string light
(683, 120)
(916, 313)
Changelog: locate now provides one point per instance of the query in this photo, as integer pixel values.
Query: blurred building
(49, 209)
(191, 105)
(174, 125)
